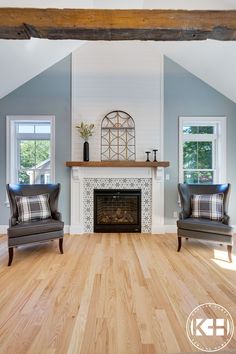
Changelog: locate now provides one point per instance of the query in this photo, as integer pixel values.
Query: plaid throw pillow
(32, 208)
(207, 206)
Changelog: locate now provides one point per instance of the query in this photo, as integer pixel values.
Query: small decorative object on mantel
(85, 131)
(155, 155)
(148, 153)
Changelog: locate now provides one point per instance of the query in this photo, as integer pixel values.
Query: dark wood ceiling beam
(111, 25)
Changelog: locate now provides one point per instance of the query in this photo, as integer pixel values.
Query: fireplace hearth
(117, 210)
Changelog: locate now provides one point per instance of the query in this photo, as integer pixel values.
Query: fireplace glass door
(117, 210)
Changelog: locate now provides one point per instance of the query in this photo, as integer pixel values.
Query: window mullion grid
(33, 136)
(29, 137)
(199, 137)
(14, 141)
(35, 160)
(215, 159)
(217, 139)
(18, 159)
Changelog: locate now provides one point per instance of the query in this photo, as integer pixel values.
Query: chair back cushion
(27, 190)
(33, 208)
(187, 190)
(207, 206)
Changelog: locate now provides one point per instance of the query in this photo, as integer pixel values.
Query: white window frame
(219, 157)
(11, 146)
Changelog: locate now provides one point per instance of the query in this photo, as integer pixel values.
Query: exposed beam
(83, 24)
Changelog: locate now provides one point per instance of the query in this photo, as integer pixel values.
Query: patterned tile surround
(145, 184)
(85, 179)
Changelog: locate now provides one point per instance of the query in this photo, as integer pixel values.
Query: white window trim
(10, 136)
(220, 158)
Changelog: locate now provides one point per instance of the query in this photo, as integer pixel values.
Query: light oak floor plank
(110, 294)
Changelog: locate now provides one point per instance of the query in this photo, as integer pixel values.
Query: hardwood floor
(109, 293)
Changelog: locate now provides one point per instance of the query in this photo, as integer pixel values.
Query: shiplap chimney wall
(123, 76)
(108, 76)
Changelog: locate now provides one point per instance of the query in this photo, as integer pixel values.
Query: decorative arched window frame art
(118, 137)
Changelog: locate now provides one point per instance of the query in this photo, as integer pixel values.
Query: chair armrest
(225, 219)
(12, 221)
(182, 215)
(56, 215)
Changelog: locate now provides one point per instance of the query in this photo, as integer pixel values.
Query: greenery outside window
(202, 150)
(30, 149)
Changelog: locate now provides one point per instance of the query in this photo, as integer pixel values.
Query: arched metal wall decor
(117, 137)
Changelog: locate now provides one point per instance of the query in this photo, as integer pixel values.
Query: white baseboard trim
(158, 229)
(3, 229)
(77, 230)
(66, 229)
(170, 229)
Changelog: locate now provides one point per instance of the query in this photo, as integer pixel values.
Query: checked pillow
(207, 206)
(33, 208)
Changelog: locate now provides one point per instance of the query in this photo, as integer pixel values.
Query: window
(202, 150)
(30, 149)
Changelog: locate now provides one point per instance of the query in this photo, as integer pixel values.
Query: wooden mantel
(117, 164)
(99, 24)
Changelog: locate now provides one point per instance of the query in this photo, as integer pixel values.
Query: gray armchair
(21, 233)
(201, 228)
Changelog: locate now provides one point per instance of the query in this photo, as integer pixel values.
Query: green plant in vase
(85, 130)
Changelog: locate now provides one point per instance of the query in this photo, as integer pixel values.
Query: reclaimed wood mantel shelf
(117, 164)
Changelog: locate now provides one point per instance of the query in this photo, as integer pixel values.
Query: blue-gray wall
(49, 93)
(186, 95)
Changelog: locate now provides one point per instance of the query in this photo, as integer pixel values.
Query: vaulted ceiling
(211, 61)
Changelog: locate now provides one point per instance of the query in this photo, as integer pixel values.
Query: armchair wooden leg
(61, 245)
(229, 249)
(179, 243)
(11, 252)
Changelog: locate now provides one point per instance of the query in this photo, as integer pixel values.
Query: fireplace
(117, 210)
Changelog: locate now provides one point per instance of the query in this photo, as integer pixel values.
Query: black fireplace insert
(117, 210)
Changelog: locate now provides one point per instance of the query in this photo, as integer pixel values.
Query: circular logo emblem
(210, 327)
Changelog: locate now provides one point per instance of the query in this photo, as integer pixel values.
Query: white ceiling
(20, 61)
(212, 61)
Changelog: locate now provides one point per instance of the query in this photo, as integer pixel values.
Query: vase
(86, 151)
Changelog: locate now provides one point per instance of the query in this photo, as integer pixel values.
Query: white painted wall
(124, 76)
